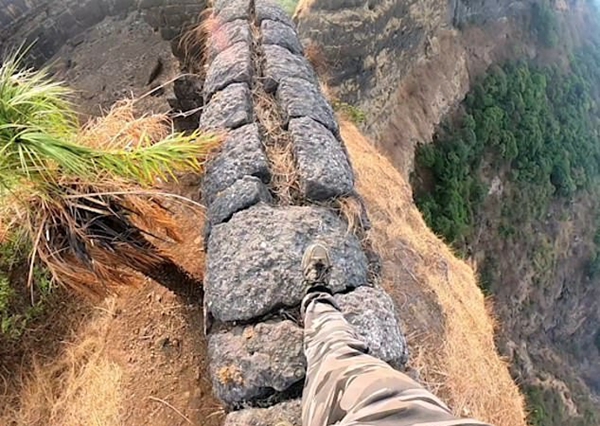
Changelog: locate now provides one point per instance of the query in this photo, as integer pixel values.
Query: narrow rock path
(281, 180)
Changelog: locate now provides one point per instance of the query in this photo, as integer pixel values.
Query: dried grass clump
(456, 355)
(81, 387)
(196, 41)
(303, 8)
(278, 146)
(315, 54)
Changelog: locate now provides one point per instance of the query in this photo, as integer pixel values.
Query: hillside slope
(151, 351)
(407, 66)
(449, 327)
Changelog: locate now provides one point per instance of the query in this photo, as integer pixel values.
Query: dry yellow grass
(111, 367)
(81, 387)
(303, 8)
(453, 349)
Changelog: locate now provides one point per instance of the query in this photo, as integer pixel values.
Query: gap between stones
(277, 141)
(271, 397)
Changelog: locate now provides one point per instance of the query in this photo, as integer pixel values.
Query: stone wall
(51, 23)
(280, 181)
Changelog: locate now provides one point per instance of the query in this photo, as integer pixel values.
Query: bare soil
(136, 358)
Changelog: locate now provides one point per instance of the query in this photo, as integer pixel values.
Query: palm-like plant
(85, 197)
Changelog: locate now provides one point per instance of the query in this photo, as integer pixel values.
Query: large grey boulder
(274, 32)
(241, 154)
(371, 311)
(233, 65)
(250, 362)
(323, 167)
(301, 98)
(253, 262)
(280, 63)
(287, 413)
(229, 108)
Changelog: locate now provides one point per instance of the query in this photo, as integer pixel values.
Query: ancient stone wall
(281, 180)
(49, 24)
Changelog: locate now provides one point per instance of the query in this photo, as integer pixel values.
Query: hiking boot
(316, 267)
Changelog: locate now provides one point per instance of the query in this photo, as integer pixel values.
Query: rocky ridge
(259, 224)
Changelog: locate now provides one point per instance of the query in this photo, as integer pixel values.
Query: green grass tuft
(288, 5)
(353, 113)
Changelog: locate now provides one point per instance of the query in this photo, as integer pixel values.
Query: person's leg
(346, 386)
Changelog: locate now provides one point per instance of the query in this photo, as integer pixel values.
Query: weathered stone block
(280, 63)
(244, 193)
(249, 362)
(241, 154)
(230, 10)
(274, 32)
(269, 9)
(300, 98)
(371, 311)
(224, 35)
(229, 108)
(233, 65)
(253, 263)
(285, 413)
(323, 167)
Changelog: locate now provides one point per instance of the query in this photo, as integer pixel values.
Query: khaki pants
(346, 386)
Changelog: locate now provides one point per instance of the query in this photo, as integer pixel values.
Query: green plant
(593, 266)
(17, 309)
(536, 123)
(83, 197)
(353, 113)
(544, 23)
(288, 5)
(6, 293)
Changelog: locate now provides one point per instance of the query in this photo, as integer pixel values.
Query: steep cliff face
(405, 89)
(46, 25)
(402, 62)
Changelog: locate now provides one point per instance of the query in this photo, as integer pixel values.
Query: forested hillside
(538, 126)
(511, 181)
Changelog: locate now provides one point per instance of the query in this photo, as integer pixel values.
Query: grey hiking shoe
(316, 267)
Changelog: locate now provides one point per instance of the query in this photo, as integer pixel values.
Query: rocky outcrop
(404, 64)
(464, 12)
(393, 60)
(380, 40)
(47, 25)
(265, 95)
